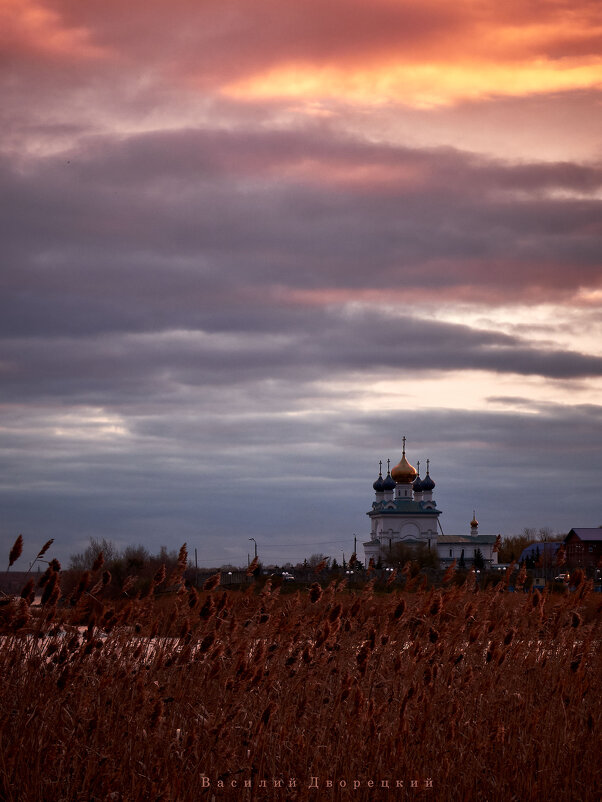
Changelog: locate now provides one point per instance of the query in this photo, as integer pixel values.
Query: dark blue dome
(418, 485)
(378, 485)
(389, 483)
(427, 483)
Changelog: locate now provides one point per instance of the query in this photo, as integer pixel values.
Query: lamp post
(255, 542)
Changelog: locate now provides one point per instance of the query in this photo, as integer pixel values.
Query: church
(404, 511)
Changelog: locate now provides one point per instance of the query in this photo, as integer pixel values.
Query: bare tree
(85, 560)
(316, 559)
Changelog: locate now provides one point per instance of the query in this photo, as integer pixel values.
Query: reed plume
(315, 592)
(378, 682)
(16, 551)
(212, 582)
(45, 548)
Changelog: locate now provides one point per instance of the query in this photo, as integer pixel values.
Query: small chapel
(404, 511)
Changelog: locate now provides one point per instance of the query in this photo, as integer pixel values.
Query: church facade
(404, 511)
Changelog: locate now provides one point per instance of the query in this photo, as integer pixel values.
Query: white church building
(404, 511)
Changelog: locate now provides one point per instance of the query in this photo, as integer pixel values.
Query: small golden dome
(474, 521)
(404, 473)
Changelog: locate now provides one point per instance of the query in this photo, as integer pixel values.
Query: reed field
(323, 693)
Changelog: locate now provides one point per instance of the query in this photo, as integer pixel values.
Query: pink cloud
(37, 30)
(211, 44)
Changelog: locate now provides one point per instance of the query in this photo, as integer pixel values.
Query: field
(322, 694)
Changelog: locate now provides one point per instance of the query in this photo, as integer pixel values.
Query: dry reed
(491, 695)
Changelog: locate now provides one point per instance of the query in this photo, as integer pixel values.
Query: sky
(248, 247)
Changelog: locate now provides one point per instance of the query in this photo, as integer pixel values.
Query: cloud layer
(240, 263)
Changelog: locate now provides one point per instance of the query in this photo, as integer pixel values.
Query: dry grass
(493, 696)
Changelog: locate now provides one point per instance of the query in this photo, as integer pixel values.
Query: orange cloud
(438, 58)
(482, 52)
(421, 85)
(423, 53)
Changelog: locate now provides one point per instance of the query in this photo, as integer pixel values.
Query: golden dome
(474, 521)
(403, 472)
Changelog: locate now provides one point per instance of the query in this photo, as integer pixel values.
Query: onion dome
(388, 483)
(474, 521)
(427, 482)
(417, 486)
(378, 485)
(403, 472)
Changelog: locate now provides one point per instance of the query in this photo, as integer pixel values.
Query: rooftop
(587, 534)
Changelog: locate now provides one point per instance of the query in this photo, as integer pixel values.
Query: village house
(584, 550)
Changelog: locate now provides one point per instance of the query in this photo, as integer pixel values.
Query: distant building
(541, 558)
(584, 550)
(543, 550)
(404, 511)
(465, 547)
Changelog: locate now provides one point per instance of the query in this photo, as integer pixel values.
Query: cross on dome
(403, 472)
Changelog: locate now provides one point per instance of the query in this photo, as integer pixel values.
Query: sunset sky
(248, 246)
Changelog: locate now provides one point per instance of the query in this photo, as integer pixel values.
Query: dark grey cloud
(178, 324)
(192, 319)
(292, 482)
(300, 347)
(163, 231)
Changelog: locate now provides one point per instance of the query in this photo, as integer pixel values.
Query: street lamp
(255, 542)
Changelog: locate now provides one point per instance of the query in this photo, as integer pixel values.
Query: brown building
(584, 550)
